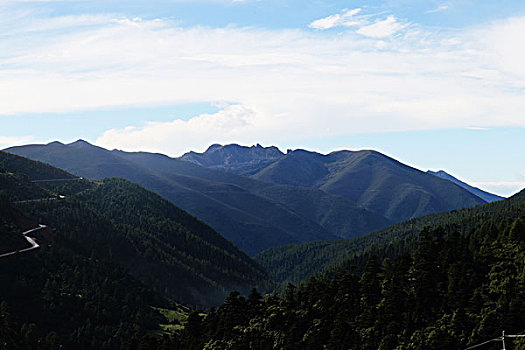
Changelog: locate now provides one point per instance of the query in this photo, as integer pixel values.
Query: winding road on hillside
(40, 199)
(31, 241)
(58, 180)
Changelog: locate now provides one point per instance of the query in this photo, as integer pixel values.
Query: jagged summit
(244, 160)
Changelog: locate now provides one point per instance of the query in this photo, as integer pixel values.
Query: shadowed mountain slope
(486, 196)
(115, 220)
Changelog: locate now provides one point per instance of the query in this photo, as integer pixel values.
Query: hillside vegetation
(11, 238)
(298, 262)
(113, 257)
(59, 296)
(459, 286)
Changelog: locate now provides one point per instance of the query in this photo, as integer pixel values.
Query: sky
(435, 84)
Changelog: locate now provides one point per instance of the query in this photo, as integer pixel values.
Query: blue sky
(435, 84)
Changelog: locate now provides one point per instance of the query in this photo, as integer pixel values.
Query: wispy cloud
(347, 18)
(382, 28)
(476, 128)
(438, 9)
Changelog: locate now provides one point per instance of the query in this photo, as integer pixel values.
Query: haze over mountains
(486, 196)
(281, 198)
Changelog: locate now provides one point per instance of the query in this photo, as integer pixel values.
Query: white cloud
(503, 188)
(347, 18)
(281, 85)
(504, 43)
(233, 122)
(475, 128)
(438, 9)
(382, 28)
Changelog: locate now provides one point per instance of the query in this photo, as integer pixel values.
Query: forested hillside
(112, 256)
(298, 262)
(34, 170)
(58, 296)
(165, 247)
(176, 253)
(10, 233)
(456, 289)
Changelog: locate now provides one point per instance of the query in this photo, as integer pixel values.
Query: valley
(116, 230)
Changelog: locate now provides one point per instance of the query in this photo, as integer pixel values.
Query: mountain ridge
(371, 179)
(260, 211)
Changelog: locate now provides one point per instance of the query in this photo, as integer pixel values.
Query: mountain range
(238, 159)
(254, 215)
(259, 198)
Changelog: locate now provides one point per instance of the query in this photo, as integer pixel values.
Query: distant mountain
(254, 215)
(234, 158)
(368, 178)
(486, 196)
(372, 180)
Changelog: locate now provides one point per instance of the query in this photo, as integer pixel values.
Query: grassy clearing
(176, 319)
